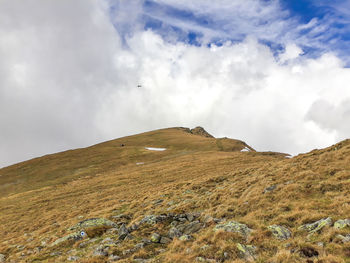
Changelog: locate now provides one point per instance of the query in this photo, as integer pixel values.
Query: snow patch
(155, 149)
(245, 149)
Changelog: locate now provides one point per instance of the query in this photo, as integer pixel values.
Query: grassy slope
(40, 198)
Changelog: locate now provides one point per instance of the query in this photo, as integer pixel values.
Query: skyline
(273, 73)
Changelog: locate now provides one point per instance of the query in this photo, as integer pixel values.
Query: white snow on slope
(155, 149)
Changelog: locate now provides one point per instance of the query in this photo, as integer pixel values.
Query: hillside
(177, 195)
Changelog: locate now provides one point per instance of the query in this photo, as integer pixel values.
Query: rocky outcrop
(201, 132)
(342, 224)
(247, 252)
(280, 232)
(317, 226)
(234, 226)
(93, 223)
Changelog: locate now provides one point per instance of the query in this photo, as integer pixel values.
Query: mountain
(177, 195)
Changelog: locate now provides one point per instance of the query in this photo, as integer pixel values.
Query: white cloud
(69, 82)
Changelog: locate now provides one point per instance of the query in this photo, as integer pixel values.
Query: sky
(273, 73)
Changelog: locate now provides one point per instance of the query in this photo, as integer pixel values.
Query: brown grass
(41, 198)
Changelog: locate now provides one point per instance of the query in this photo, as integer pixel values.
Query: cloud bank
(69, 76)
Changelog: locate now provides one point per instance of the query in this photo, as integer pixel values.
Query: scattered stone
(344, 239)
(201, 259)
(157, 202)
(155, 238)
(73, 258)
(340, 224)
(129, 237)
(320, 244)
(247, 252)
(185, 238)
(71, 238)
(55, 254)
(174, 232)
(123, 232)
(2, 258)
(165, 240)
(270, 188)
(94, 223)
(317, 226)
(100, 253)
(114, 258)
(190, 228)
(280, 232)
(233, 226)
(107, 240)
(153, 219)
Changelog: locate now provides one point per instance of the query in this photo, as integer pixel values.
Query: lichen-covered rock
(247, 252)
(155, 238)
(342, 223)
(280, 232)
(153, 219)
(317, 226)
(270, 188)
(123, 232)
(190, 228)
(165, 240)
(233, 226)
(94, 223)
(2, 258)
(71, 238)
(344, 239)
(174, 232)
(185, 238)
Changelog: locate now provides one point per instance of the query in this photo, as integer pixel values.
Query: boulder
(342, 224)
(165, 240)
(174, 232)
(280, 232)
(2, 258)
(185, 238)
(270, 189)
(233, 226)
(247, 252)
(155, 238)
(190, 228)
(316, 226)
(94, 223)
(344, 239)
(123, 232)
(71, 238)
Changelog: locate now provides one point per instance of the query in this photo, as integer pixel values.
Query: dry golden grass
(41, 198)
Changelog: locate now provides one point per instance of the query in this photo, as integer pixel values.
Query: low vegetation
(200, 200)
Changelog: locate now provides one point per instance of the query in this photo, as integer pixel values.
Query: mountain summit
(177, 195)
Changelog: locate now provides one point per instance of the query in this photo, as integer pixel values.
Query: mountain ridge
(198, 199)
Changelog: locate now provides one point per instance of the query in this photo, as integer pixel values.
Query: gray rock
(55, 254)
(247, 252)
(114, 258)
(112, 230)
(185, 238)
(316, 226)
(174, 232)
(270, 188)
(155, 238)
(233, 226)
(73, 258)
(190, 228)
(342, 224)
(344, 239)
(165, 240)
(280, 232)
(100, 253)
(123, 232)
(71, 238)
(2, 258)
(94, 223)
(153, 219)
